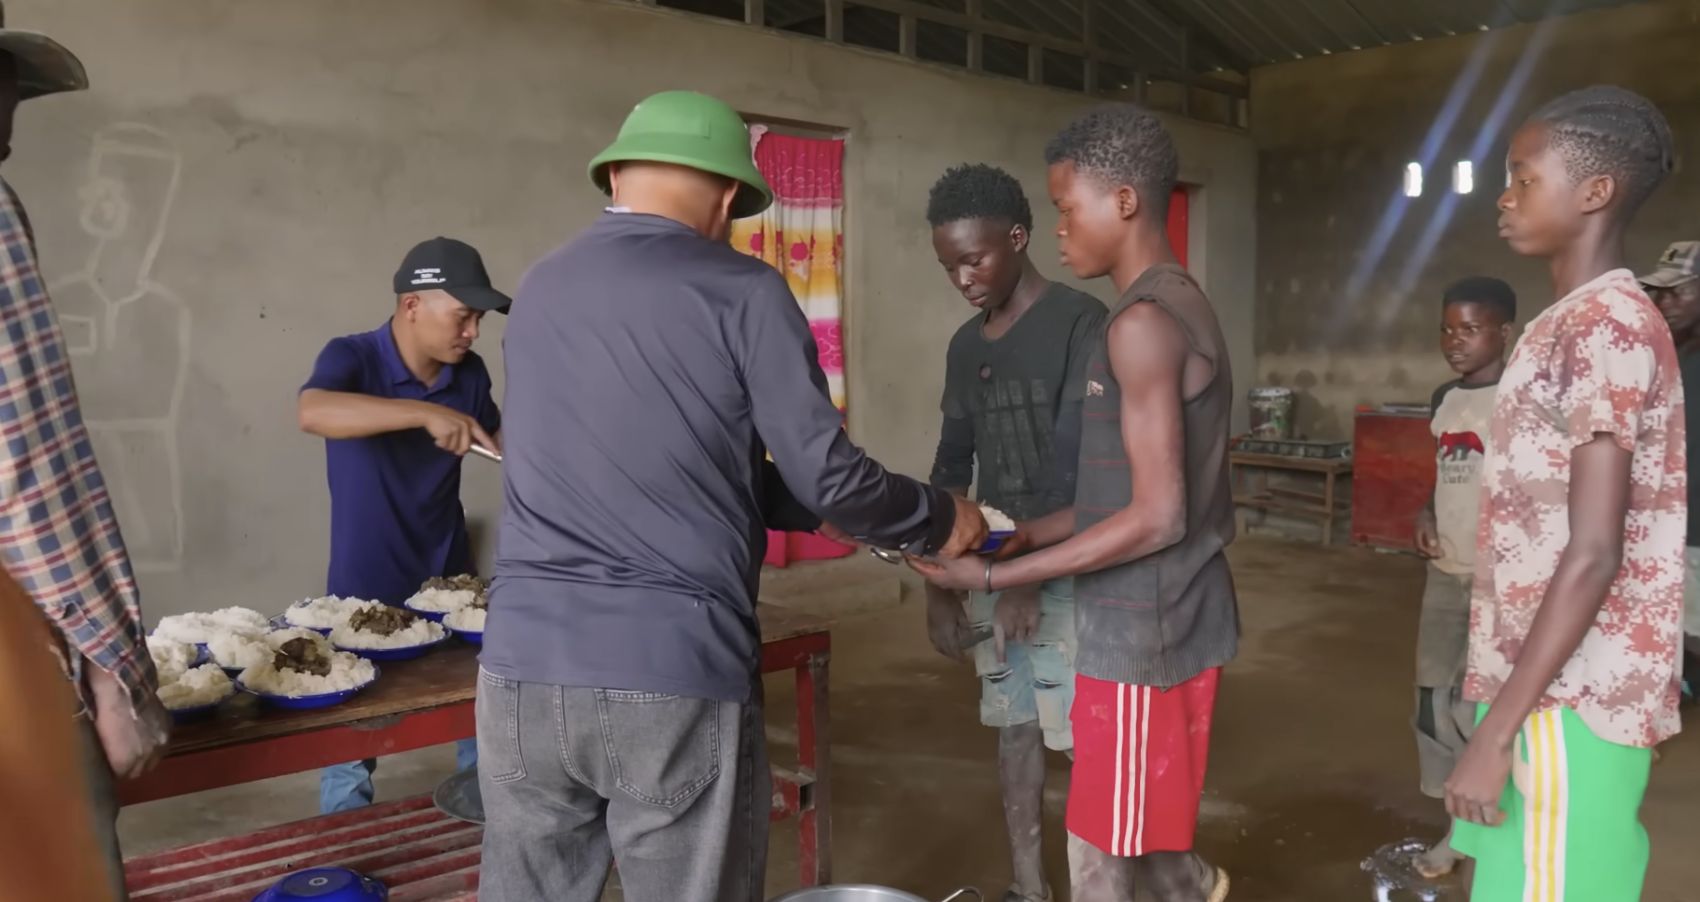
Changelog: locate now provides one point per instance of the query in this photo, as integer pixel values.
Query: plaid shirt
(58, 534)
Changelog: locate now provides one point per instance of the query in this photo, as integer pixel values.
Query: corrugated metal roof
(1232, 35)
(1271, 31)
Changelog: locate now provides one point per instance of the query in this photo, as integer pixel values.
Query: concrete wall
(242, 181)
(1348, 326)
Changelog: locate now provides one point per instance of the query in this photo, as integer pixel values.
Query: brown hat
(44, 65)
(1678, 264)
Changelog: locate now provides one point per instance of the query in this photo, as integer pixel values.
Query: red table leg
(814, 822)
(809, 656)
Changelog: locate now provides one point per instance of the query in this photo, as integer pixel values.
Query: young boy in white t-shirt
(1475, 329)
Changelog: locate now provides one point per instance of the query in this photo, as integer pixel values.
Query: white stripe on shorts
(1133, 734)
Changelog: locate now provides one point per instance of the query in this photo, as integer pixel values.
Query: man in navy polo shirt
(398, 408)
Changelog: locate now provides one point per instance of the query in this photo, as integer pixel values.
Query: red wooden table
(423, 855)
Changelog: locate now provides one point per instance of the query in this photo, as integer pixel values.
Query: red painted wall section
(1178, 222)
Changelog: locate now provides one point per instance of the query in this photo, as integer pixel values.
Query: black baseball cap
(444, 264)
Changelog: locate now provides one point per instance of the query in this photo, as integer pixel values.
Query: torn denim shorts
(1035, 681)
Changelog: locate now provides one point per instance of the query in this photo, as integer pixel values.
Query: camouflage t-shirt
(1600, 361)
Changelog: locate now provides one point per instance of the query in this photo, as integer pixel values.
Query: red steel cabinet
(1392, 477)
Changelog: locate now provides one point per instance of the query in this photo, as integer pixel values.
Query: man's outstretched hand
(827, 530)
(455, 432)
(968, 533)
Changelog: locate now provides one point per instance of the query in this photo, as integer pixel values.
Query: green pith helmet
(689, 129)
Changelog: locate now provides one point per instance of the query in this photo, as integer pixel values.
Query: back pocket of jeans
(498, 728)
(664, 748)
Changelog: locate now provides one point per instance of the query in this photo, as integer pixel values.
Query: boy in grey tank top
(1156, 616)
(1475, 329)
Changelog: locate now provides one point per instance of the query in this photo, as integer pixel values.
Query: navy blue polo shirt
(396, 515)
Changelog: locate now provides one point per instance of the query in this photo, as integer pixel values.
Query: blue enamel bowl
(199, 712)
(281, 622)
(470, 636)
(325, 885)
(433, 616)
(399, 654)
(995, 540)
(309, 702)
(202, 655)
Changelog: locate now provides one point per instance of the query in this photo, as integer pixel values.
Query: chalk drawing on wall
(128, 337)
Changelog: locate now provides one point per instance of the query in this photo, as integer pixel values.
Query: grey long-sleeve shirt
(648, 370)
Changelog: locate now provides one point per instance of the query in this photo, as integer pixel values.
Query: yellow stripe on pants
(1545, 808)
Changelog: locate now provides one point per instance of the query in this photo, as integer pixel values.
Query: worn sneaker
(1218, 885)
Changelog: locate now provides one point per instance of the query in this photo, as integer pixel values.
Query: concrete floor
(1312, 765)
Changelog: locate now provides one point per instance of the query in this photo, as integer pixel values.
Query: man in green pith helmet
(650, 368)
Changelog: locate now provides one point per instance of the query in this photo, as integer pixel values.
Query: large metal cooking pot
(864, 893)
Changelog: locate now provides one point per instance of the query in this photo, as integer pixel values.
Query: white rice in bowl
(193, 628)
(441, 601)
(325, 613)
(171, 658)
(421, 632)
(203, 685)
(347, 672)
(242, 652)
(996, 520)
(470, 620)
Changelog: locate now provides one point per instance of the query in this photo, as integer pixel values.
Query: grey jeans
(677, 789)
(103, 804)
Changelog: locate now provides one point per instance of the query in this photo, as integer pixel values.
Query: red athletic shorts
(1139, 755)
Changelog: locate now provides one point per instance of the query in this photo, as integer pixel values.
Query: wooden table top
(445, 677)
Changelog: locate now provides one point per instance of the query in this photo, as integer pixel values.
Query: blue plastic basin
(325, 885)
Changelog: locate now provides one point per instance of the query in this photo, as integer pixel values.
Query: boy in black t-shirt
(1005, 378)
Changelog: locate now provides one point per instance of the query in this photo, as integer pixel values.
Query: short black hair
(1487, 291)
(1121, 144)
(978, 191)
(1606, 130)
